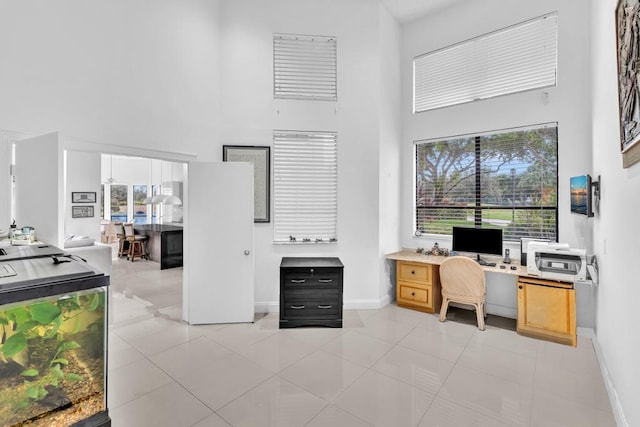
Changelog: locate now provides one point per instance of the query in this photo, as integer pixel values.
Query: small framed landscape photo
(83, 197)
(82, 211)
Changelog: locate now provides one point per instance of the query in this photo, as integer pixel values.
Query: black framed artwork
(83, 197)
(82, 212)
(260, 156)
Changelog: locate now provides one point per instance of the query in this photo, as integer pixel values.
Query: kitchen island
(164, 243)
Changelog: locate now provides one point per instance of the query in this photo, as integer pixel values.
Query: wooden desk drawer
(414, 272)
(412, 294)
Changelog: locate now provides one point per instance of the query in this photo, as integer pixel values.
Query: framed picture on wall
(260, 156)
(627, 40)
(83, 197)
(82, 212)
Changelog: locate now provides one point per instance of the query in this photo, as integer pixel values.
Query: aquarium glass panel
(52, 359)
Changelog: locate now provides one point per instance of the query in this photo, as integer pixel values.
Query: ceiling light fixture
(172, 199)
(110, 180)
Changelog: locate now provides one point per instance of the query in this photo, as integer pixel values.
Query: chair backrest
(462, 276)
(128, 230)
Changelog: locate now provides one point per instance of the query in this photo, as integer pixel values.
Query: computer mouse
(503, 267)
(513, 267)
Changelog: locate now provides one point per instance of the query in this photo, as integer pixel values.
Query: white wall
(567, 103)
(192, 76)
(390, 143)
(40, 187)
(616, 226)
(250, 115)
(82, 174)
(130, 72)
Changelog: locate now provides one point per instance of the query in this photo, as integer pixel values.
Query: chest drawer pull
(324, 306)
(297, 281)
(297, 307)
(325, 280)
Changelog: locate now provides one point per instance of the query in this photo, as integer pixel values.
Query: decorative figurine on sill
(435, 250)
(420, 250)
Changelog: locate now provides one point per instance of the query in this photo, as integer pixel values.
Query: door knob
(247, 252)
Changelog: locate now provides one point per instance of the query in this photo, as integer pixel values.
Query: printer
(557, 261)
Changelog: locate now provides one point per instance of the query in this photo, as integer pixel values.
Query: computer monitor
(477, 240)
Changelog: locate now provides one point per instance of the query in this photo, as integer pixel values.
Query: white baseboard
(360, 304)
(616, 407)
(266, 307)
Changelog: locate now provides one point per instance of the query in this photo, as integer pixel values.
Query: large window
(305, 184)
(513, 59)
(139, 207)
(506, 179)
(118, 203)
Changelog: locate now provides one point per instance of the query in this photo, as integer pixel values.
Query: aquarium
(53, 359)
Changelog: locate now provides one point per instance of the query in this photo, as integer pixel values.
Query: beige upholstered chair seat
(462, 281)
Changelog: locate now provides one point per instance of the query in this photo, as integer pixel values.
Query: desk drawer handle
(324, 306)
(325, 280)
(413, 272)
(413, 294)
(297, 307)
(297, 281)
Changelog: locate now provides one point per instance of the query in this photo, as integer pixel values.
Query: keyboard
(487, 264)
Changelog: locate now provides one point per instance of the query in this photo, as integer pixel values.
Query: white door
(218, 255)
(39, 188)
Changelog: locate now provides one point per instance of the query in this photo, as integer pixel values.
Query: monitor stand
(483, 262)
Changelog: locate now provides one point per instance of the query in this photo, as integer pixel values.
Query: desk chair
(137, 243)
(462, 281)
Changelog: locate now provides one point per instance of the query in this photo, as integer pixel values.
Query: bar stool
(137, 243)
(123, 243)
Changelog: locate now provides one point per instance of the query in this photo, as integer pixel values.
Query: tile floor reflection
(388, 367)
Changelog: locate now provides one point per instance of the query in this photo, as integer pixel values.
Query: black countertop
(159, 228)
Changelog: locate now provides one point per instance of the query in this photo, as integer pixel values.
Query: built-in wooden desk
(546, 308)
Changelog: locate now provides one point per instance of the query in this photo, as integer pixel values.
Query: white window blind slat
(518, 58)
(305, 186)
(304, 67)
(515, 187)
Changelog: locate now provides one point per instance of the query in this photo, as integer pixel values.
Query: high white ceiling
(408, 10)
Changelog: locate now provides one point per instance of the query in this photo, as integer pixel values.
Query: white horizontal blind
(305, 186)
(506, 179)
(304, 67)
(514, 59)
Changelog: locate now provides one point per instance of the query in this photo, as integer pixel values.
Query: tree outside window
(505, 180)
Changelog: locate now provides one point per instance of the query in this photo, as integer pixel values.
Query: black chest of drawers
(311, 292)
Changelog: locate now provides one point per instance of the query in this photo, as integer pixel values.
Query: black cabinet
(311, 292)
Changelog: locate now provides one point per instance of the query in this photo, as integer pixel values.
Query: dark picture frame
(260, 156)
(628, 56)
(83, 197)
(82, 212)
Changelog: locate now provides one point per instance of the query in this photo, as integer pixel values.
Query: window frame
(477, 207)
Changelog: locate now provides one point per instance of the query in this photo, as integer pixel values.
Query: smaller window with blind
(304, 67)
(506, 179)
(305, 187)
(513, 59)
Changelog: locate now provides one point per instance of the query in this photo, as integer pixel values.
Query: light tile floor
(388, 367)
